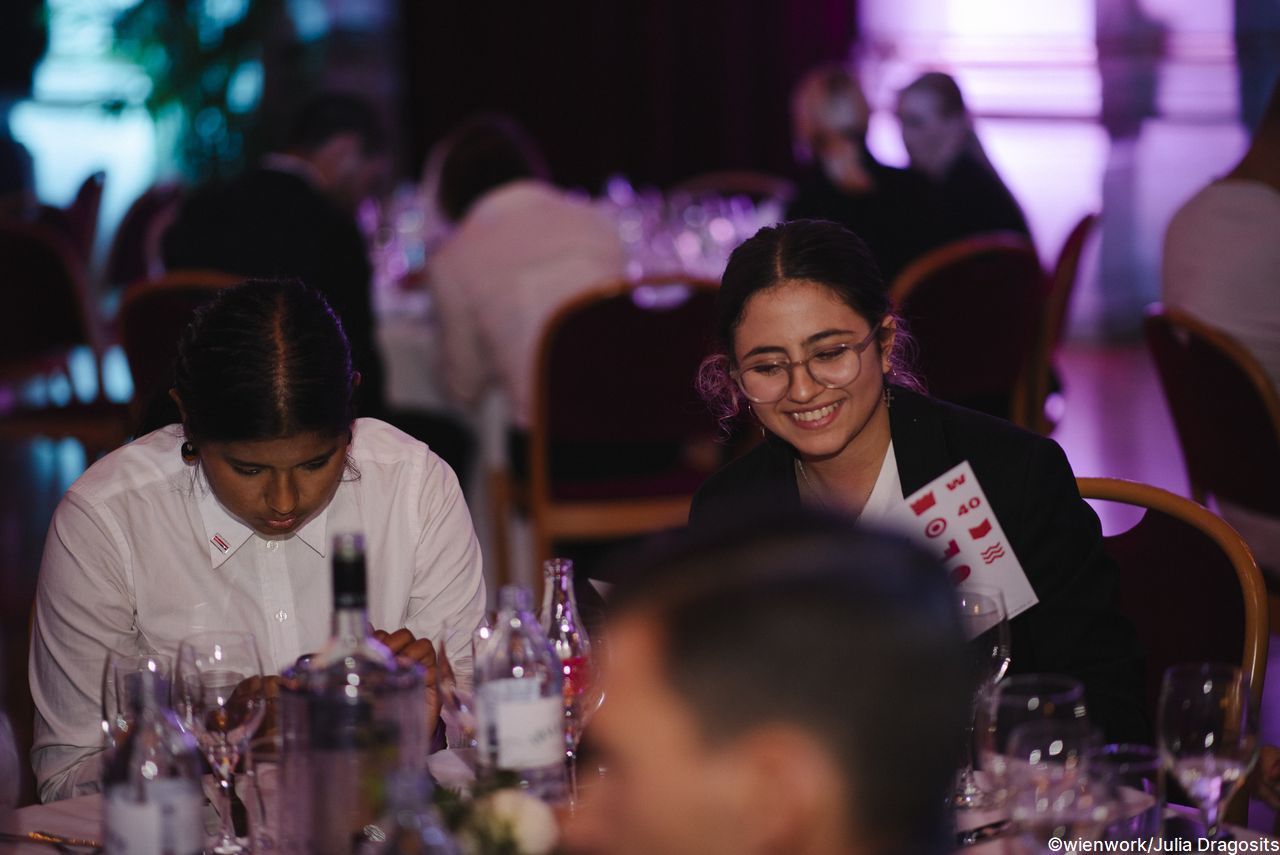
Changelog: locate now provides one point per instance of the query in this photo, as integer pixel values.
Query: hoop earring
(189, 453)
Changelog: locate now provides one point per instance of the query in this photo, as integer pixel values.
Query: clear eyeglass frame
(739, 374)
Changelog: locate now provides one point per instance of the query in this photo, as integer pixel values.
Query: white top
(1222, 264)
(131, 559)
(887, 492)
(522, 251)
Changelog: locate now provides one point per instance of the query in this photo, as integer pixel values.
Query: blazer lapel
(918, 439)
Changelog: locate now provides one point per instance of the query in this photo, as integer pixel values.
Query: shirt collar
(226, 533)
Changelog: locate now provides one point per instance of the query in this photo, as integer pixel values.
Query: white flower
(529, 821)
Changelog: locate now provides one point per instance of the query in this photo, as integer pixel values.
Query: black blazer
(1075, 628)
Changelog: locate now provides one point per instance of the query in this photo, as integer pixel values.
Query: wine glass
(986, 625)
(1016, 700)
(220, 698)
(1207, 735)
(1051, 791)
(121, 684)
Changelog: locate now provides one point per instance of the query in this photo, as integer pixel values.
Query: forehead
(282, 451)
(919, 101)
(794, 309)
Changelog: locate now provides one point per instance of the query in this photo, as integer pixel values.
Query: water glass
(121, 684)
(1018, 700)
(1051, 793)
(1134, 773)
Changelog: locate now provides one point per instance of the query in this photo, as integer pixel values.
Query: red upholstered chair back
(45, 314)
(1189, 584)
(617, 370)
(153, 316)
(134, 243)
(973, 307)
(1225, 408)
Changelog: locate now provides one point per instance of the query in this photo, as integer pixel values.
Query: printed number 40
(970, 505)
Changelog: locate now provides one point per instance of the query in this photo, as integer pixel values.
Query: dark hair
(847, 633)
(264, 360)
(482, 154)
(328, 114)
(944, 88)
(801, 250)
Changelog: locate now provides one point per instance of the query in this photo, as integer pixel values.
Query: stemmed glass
(219, 695)
(1207, 735)
(986, 625)
(1052, 793)
(1015, 701)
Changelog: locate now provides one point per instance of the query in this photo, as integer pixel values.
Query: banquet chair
(757, 185)
(135, 249)
(1035, 384)
(1191, 587)
(152, 316)
(78, 222)
(1225, 408)
(48, 317)
(973, 307)
(619, 440)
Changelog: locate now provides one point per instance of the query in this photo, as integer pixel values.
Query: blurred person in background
(938, 133)
(1221, 262)
(521, 248)
(844, 183)
(797, 686)
(295, 215)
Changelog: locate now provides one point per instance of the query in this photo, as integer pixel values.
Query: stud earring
(189, 453)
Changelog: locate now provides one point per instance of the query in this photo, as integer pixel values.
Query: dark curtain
(656, 90)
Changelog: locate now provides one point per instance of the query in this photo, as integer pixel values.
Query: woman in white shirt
(225, 521)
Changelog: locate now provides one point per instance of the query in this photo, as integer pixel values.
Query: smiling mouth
(812, 418)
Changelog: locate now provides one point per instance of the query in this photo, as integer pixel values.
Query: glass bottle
(412, 823)
(350, 714)
(519, 700)
(568, 635)
(151, 783)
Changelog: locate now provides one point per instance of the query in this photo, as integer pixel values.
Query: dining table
(77, 822)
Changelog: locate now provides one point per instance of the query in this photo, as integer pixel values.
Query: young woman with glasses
(809, 347)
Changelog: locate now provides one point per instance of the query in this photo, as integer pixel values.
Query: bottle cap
(348, 571)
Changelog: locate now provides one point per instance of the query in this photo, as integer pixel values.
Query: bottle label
(167, 822)
(526, 729)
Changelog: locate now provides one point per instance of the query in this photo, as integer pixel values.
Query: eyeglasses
(834, 367)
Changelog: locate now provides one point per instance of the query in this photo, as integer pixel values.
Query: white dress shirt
(886, 495)
(141, 554)
(521, 251)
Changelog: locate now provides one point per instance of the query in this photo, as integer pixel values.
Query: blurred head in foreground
(797, 686)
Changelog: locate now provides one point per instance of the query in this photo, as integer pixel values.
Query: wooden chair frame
(590, 519)
(1237, 353)
(948, 254)
(1253, 590)
(1033, 389)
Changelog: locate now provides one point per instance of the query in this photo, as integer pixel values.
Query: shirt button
(272, 545)
(282, 616)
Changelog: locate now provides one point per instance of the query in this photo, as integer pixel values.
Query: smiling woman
(224, 522)
(808, 344)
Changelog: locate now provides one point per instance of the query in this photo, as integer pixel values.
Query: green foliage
(192, 59)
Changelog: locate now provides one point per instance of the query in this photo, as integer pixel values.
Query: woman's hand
(404, 645)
